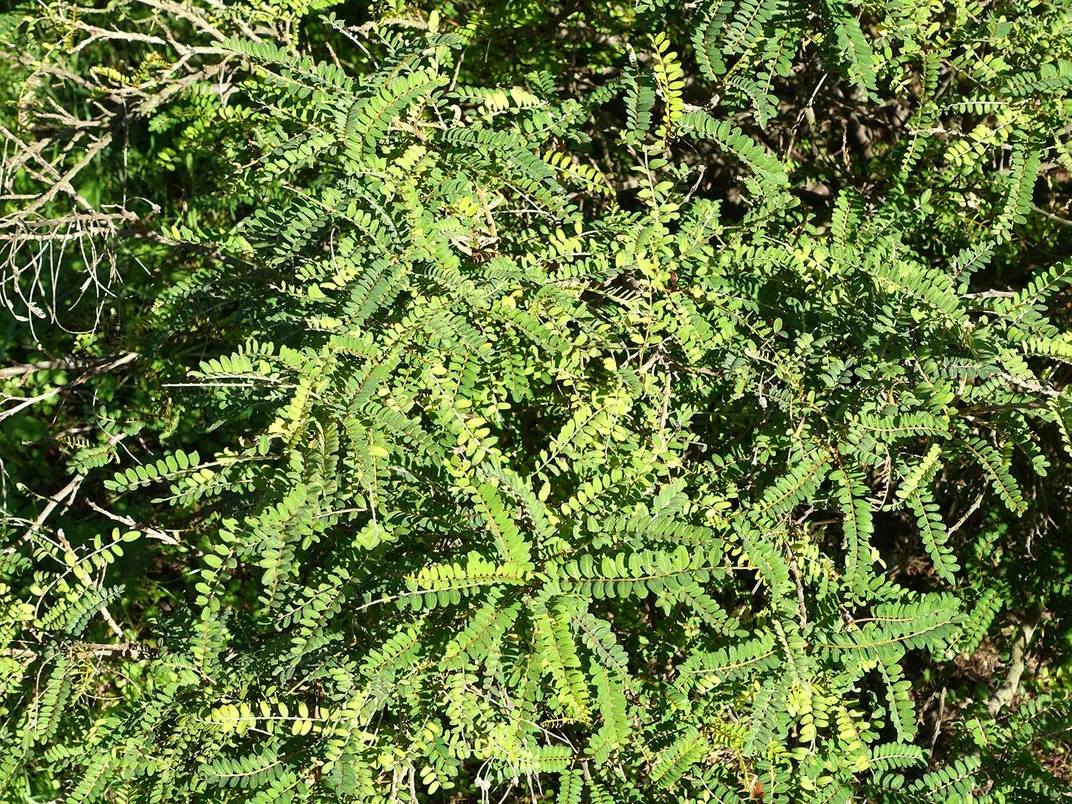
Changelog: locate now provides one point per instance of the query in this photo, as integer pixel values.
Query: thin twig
(938, 721)
(151, 533)
(94, 649)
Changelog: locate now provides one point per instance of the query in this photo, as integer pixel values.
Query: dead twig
(151, 533)
(64, 495)
(97, 650)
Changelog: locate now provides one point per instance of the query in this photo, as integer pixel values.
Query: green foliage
(536, 401)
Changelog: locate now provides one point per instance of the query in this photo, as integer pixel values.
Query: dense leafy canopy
(546, 402)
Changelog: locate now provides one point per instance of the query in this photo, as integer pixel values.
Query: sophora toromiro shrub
(535, 467)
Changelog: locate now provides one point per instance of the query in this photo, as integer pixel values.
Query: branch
(95, 649)
(60, 363)
(100, 368)
(65, 181)
(1007, 691)
(63, 495)
(151, 533)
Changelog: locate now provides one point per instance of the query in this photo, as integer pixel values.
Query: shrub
(571, 402)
